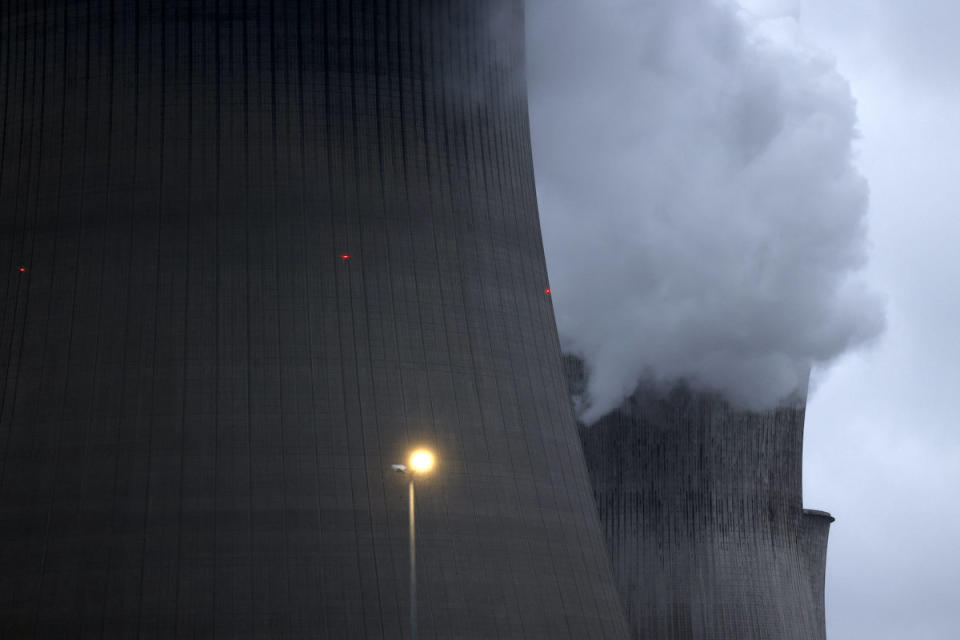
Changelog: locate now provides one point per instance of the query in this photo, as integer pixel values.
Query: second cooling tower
(702, 510)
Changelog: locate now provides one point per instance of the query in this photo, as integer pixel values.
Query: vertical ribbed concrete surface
(814, 532)
(702, 510)
(199, 395)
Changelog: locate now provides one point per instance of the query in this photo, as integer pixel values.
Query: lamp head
(421, 461)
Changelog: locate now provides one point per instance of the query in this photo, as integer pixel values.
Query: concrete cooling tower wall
(702, 510)
(252, 252)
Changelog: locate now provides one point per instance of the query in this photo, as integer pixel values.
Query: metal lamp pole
(413, 564)
(421, 461)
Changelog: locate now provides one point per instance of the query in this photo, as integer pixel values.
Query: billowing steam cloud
(702, 216)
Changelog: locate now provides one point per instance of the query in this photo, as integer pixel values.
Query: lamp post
(421, 461)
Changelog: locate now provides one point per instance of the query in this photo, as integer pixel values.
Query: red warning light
(345, 256)
(546, 291)
(22, 269)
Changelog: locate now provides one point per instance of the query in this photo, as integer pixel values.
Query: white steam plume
(702, 215)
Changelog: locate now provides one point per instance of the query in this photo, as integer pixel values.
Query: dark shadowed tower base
(252, 252)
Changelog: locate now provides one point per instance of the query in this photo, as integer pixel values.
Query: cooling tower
(702, 510)
(253, 252)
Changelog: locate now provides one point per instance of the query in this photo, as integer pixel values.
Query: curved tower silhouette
(252, 252)
(702, 510)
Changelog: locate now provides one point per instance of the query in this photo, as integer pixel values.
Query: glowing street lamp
(421, 461)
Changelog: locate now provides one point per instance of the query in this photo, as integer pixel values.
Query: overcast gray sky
(701, 127)
(882, 439)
